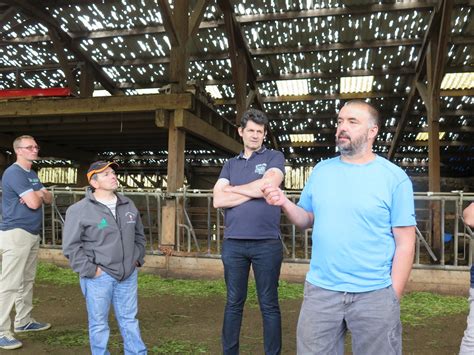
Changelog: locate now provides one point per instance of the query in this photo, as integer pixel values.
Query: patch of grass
(48, 272)
(178, 347)
(417, 307)
(64, 338)
(150, 285)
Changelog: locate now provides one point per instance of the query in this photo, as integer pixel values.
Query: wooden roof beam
(169, 23)
(193, 125)
(418, 78)
(109, 104)
(243, 70)
(39, 13)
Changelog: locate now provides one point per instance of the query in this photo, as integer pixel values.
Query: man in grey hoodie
(104, 241)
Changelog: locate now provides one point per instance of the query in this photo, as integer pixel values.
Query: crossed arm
(226, 195)
(35, 199)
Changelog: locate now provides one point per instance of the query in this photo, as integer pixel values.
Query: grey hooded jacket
(92, 237)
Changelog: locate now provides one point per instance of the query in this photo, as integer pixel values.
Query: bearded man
(361, 209)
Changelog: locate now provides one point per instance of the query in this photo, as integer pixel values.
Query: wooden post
(435, 68)
(86, 81)
(179, 54)
(176, 144)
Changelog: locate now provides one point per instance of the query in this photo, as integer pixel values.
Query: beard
(352, 146)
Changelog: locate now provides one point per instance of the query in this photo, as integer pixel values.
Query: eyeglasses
(31, 147)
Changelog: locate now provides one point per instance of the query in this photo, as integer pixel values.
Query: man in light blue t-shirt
(361, 209)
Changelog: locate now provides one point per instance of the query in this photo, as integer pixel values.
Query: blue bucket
(448, 237)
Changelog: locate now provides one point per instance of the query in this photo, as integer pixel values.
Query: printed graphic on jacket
(103, 223)
(130, 217)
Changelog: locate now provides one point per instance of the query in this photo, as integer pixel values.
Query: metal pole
(443, 203)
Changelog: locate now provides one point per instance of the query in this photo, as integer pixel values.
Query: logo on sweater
(130, 217)
(103, 223)
(260, 168)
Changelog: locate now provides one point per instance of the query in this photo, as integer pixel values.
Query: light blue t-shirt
(355, 207)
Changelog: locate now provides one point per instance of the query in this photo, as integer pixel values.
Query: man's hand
(98, 272)
(273, 195)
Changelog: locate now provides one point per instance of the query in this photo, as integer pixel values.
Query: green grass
(69, 338)
(150, 285)
(416, 307)
(178, 347)
(51, 273)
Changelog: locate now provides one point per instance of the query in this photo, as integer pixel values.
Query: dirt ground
(175, 321)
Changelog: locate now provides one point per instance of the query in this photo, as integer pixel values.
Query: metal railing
(199, 226)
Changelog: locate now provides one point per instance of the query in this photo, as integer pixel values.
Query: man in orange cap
(104, 241)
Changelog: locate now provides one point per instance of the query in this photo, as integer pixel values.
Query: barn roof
(306, 59)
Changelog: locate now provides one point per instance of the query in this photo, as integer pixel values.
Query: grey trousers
(467, 344)
(373, 318)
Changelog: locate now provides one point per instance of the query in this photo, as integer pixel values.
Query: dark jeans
(265, 256)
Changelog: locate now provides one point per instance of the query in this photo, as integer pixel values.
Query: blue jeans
(99, 293)
(266, 257)
(373, 318)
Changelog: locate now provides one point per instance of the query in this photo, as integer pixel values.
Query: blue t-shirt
(17, 182)
(253, 219)
(355, 207)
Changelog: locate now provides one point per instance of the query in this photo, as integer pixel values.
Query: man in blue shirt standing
(23, 197)
(252, 233)
(361, 209)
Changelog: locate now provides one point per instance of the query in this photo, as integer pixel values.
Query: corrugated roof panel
(210, 70)
(456, 81)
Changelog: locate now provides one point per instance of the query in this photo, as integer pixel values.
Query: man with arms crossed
(104, 241)
(252, 233)
(23, 197)
(467, 344)
(361, 209)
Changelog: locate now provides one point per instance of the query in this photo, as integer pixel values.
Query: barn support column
(171, 216)
(176, 24)
(435, 64)
(181, 28)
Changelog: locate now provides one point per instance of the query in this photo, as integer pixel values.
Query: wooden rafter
(433, 28)
(196, 17)
(169, 23)
(348, 96)
(34, 11)
(63, 62)
(247, 19)
(243, 71)
(7, 16)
